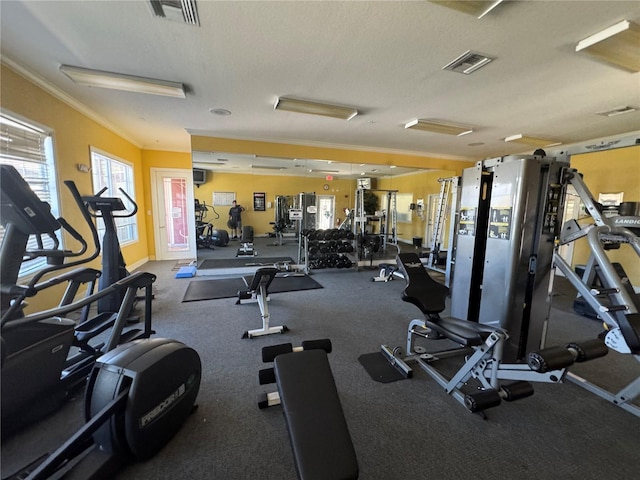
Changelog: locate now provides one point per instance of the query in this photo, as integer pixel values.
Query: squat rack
(389, 219)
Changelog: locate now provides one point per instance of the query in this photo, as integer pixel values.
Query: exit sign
(328, 178)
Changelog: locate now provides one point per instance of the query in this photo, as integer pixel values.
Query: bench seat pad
(465, 333)
(320, 439)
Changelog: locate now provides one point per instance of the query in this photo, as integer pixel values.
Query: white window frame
(39, 154)
(127, 228)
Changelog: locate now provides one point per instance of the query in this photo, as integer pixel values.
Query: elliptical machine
(139, 393)
(113, 265)
(46, 357)
(206, 235)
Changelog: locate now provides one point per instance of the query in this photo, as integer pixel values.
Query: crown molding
(67, 99)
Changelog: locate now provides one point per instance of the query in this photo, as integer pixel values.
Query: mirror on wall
(281, 180)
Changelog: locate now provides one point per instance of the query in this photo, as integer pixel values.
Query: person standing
(235, 219)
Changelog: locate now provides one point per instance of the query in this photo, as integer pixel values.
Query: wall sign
(259, 201)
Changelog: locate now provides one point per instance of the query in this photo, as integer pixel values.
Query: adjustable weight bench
(259, 291)
(320, 439)
(482, 345)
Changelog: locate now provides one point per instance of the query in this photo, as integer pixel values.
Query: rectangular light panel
(438, 127)
(315, 108)
(532, 141)
(619, 45)
(127, 83)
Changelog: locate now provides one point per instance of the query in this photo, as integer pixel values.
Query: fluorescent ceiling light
(315, 108)
(267, 167)
(127, 83)
(531, 141)
(619, 45)
(439, 127)
(472, 7)
(207, 164)
(271, 158)
(314, 170)
(614, 112)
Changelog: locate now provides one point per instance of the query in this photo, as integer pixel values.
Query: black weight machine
(500, 292)
(139, 392)
(481, 345)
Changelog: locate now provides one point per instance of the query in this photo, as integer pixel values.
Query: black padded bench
(320, 439)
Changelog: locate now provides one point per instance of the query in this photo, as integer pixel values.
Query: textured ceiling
(384, 58)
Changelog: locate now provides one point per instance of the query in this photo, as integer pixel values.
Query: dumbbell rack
(321, 249)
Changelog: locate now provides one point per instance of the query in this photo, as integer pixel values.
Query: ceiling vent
(468, 62)
(184, 11)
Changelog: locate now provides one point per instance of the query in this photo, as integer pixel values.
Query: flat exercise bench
(320, 439)
(259, 290)
(480, 345)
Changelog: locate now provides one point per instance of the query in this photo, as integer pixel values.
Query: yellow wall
(74, 134)
(611, 171)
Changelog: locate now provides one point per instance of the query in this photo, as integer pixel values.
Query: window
(113, 174)
(29, 148)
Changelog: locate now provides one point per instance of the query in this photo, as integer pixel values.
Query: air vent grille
(177, 10)
(468, 62)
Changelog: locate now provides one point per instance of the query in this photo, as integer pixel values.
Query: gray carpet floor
(407, 429)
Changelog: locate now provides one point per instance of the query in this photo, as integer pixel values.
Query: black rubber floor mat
(228, 287)
(213, 289)
(289, 282)
(378, 368)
